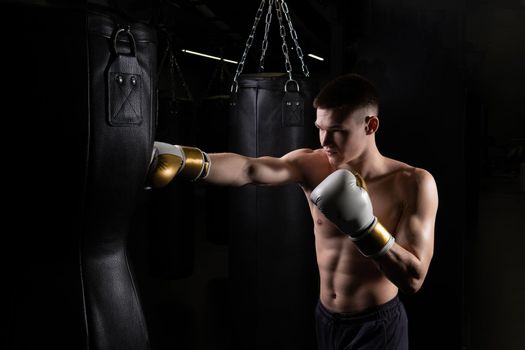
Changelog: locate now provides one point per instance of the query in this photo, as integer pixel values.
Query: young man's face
(343, 137)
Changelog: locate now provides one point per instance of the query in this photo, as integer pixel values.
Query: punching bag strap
(292, 105)
(124, 81)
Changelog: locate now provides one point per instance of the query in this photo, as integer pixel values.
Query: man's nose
(325, 138)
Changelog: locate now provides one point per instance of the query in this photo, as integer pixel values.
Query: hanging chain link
(280, 7)
(293, 34)
(284, 46)
(249, 41)
(266, 31)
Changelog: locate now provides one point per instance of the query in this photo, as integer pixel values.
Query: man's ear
(371, 124)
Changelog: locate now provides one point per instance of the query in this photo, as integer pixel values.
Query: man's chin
(334, 160)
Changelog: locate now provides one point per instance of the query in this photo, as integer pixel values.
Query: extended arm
(230, 169)
(233, 169)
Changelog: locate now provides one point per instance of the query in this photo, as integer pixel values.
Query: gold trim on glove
(360, 181)
(375, 242)
(194, 163)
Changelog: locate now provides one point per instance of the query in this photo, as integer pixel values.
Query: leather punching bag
(272, 255)
(80, 103)
(122, 100)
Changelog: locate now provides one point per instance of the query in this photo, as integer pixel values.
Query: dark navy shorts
(383, 327)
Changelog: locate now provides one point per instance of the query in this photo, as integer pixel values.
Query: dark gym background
(450, 74)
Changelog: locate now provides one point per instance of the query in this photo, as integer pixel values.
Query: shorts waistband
(374, 313)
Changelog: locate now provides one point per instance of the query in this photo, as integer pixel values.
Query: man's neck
(369, 164)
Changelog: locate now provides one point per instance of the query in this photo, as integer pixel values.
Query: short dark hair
(347, 93)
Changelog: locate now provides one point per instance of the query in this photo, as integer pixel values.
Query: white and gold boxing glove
(169, 161)
(343, 199)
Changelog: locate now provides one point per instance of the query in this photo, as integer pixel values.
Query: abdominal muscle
(349, 282)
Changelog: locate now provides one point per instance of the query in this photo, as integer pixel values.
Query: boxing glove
(343, 199)
(168, 161)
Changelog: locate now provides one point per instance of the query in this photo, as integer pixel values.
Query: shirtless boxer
(369, 243)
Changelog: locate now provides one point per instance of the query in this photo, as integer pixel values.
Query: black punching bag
(272, 255)
(80, 104)
(122, 62)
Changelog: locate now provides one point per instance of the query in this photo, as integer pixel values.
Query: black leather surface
(67, 275)
(272, 261)
(120, 151)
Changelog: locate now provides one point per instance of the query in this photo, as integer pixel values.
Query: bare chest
(387, 200)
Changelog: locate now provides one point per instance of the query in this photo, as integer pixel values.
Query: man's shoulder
(312, 164)
(304, 154)
(416, 186)
(410, 175)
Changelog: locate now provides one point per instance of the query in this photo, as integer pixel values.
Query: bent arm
(406, 263)
(231, 169)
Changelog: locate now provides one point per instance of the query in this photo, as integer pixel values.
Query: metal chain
(249, 41)
(266, 31)
(284, 46)
(293, 34)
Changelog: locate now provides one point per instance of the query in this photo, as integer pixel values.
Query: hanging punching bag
(272, 257)
(82, 97)
(122, 99)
